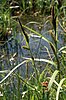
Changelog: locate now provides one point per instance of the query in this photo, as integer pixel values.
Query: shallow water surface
(13, 53)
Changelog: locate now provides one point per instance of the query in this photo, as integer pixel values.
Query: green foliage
(59, 87)
(52, 80)
(4, 19)
(49, 82)
(44, 5)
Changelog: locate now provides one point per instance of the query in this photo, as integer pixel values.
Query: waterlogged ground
(12, 52)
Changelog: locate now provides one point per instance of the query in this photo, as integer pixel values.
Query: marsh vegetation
(33, 50)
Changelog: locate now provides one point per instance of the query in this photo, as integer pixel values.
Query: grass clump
(30, 74)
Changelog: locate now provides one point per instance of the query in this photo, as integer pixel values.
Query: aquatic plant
(47, 79)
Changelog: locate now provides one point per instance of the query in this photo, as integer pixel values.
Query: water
(12, 53)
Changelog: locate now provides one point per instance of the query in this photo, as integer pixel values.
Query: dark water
(12, 53)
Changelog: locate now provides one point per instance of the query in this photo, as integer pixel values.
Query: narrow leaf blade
(59, 87)
(52, 79)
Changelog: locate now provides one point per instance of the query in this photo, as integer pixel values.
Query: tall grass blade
(36, 33)
(33, 98)
(62, 48)
(24, 33)
(41, 76)
(59, 87)
(52, 79)
(53, 48)
(12, 71)
(33, 22)
(4, 71)
(41, 60)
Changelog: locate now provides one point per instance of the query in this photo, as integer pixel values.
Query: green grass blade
(33, 22)
(12, 71)
(42, 60)
(4, 71)
(33, 98)
(62, 48)
(52, 79)
(36, 33)
(41, 76)
(59, 87)
(53, 48)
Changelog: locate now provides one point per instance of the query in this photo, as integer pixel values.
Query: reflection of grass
(38, 85)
